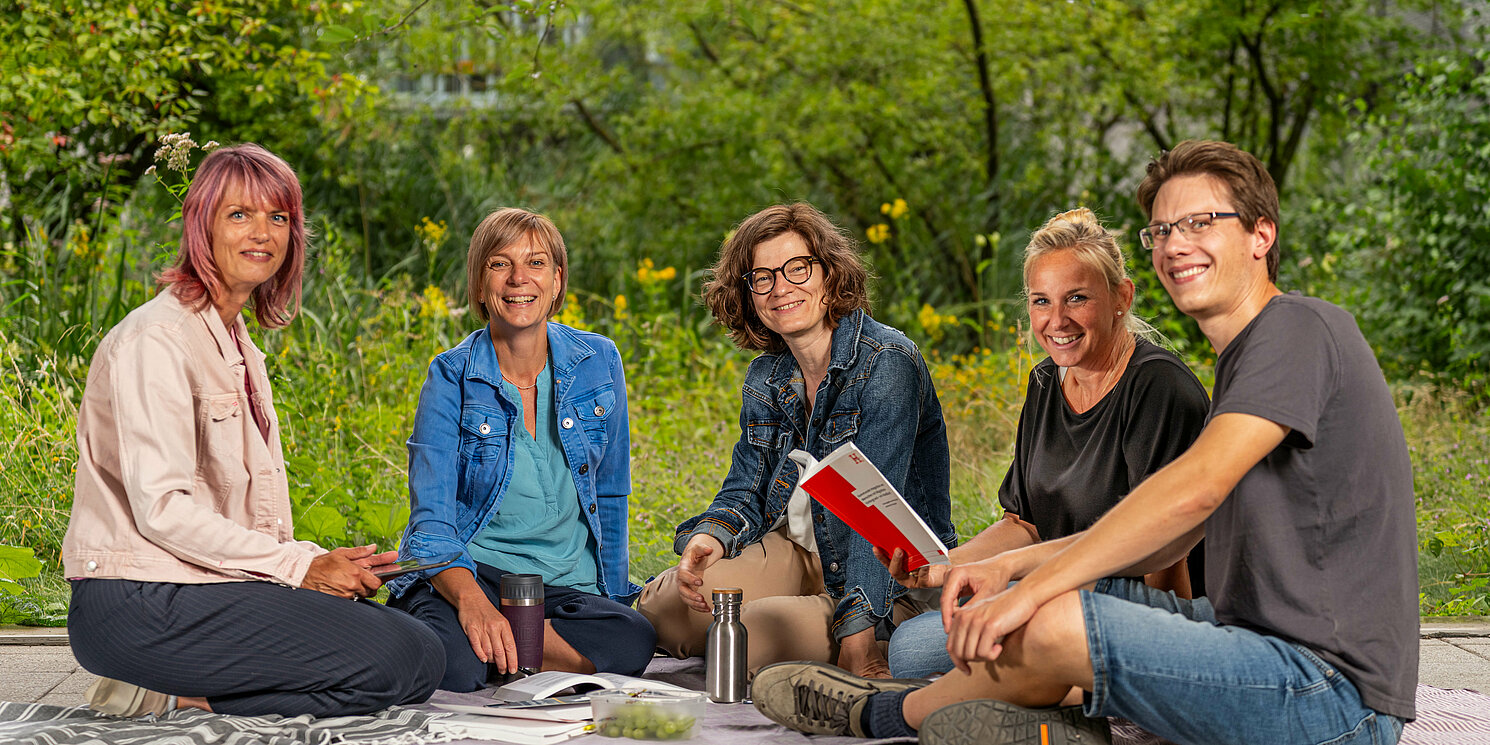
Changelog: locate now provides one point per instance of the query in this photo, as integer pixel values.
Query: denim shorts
(1164, 663)
(918, 649)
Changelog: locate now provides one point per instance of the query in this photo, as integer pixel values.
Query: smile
(1187, 273)
(258, 254)
(1064, 340)
(789, 306)
(519, 299)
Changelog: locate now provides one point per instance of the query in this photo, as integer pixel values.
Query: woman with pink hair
(188, 586)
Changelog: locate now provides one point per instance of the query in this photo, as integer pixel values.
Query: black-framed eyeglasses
(1155, 235)
(796, 270)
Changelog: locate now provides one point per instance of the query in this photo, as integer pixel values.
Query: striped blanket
(40, 724)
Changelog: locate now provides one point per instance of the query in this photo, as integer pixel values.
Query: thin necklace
(520, 387)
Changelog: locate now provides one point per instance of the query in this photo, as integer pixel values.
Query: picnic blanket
(1445, 717)
(41, 724)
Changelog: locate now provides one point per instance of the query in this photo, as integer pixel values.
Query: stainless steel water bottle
(725, 651)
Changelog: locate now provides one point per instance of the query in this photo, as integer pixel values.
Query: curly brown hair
(845, 278)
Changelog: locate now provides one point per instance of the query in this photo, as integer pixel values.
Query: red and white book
(849, 485)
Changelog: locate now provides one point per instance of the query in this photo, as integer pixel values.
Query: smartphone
(404, 566)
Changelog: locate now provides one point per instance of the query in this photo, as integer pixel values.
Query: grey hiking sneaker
(818, 698)
(989, 722)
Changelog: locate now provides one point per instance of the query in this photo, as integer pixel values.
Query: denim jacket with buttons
(878, 394)
(460, 463)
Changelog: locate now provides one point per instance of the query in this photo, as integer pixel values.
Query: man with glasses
(1301, 485)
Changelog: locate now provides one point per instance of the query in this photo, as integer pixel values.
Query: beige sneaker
(818, 698)
(121, 699)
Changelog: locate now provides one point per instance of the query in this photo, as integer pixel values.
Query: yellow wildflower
(878, 233)
(433, 303)
(932, 322)
(80, 240)
(432, 233)
(898, 209)
(572, 315)
(646, 273)
(620, 304)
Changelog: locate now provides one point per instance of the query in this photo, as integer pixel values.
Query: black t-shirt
(1069, 469)
(1317, 543)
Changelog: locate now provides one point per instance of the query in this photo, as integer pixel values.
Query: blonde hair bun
(1078, 216)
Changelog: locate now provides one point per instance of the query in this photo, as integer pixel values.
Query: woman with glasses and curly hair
(790, 284)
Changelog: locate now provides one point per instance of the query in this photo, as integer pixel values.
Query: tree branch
(703, 44)
(401, 21)
(990, 113)
(596, 127)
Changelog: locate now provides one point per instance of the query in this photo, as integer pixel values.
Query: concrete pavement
(37, 666)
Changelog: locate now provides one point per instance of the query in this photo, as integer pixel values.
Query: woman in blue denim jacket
(520, 463)
(790, 284)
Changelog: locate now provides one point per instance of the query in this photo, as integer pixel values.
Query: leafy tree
(89, 85)
(1423, 271)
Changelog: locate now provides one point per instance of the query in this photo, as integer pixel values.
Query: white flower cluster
(175, 150)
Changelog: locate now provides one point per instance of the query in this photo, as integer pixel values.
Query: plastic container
(648, 715)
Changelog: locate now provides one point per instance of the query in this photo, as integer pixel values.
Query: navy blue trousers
(615, 638)
(254, 648)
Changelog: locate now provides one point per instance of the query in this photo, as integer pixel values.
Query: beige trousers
(786, 612)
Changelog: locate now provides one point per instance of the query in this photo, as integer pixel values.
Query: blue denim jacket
(460, 464)
(877, 393)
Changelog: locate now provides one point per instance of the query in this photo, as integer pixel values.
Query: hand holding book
(929, 576)
(852, 488)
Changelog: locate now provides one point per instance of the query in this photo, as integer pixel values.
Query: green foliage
(1424, 227)
(1450, 445)
(16, 562)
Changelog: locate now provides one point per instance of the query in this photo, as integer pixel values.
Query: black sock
(884, 715)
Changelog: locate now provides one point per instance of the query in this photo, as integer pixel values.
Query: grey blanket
(39, 724)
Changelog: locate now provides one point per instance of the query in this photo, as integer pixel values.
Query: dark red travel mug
(522, 606)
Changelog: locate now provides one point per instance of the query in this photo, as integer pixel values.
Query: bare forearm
(1007, 534)
(1167, 556)
(1161, 519)
(457, 586)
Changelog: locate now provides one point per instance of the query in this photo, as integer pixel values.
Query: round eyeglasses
(796, 270)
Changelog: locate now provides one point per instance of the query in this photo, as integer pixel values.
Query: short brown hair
(1253, 193)
(845, 279)
(501, 229)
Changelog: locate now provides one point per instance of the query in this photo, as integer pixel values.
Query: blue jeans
(919, 647)
(1164, 663)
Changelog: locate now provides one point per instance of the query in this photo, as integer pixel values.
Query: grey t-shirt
(1317, 543)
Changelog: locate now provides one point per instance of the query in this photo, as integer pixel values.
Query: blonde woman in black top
(1104, 410)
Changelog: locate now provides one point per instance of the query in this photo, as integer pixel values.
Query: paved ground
(36, 665)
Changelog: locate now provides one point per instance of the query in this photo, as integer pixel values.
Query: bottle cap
(522, 587)
(728, 593)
